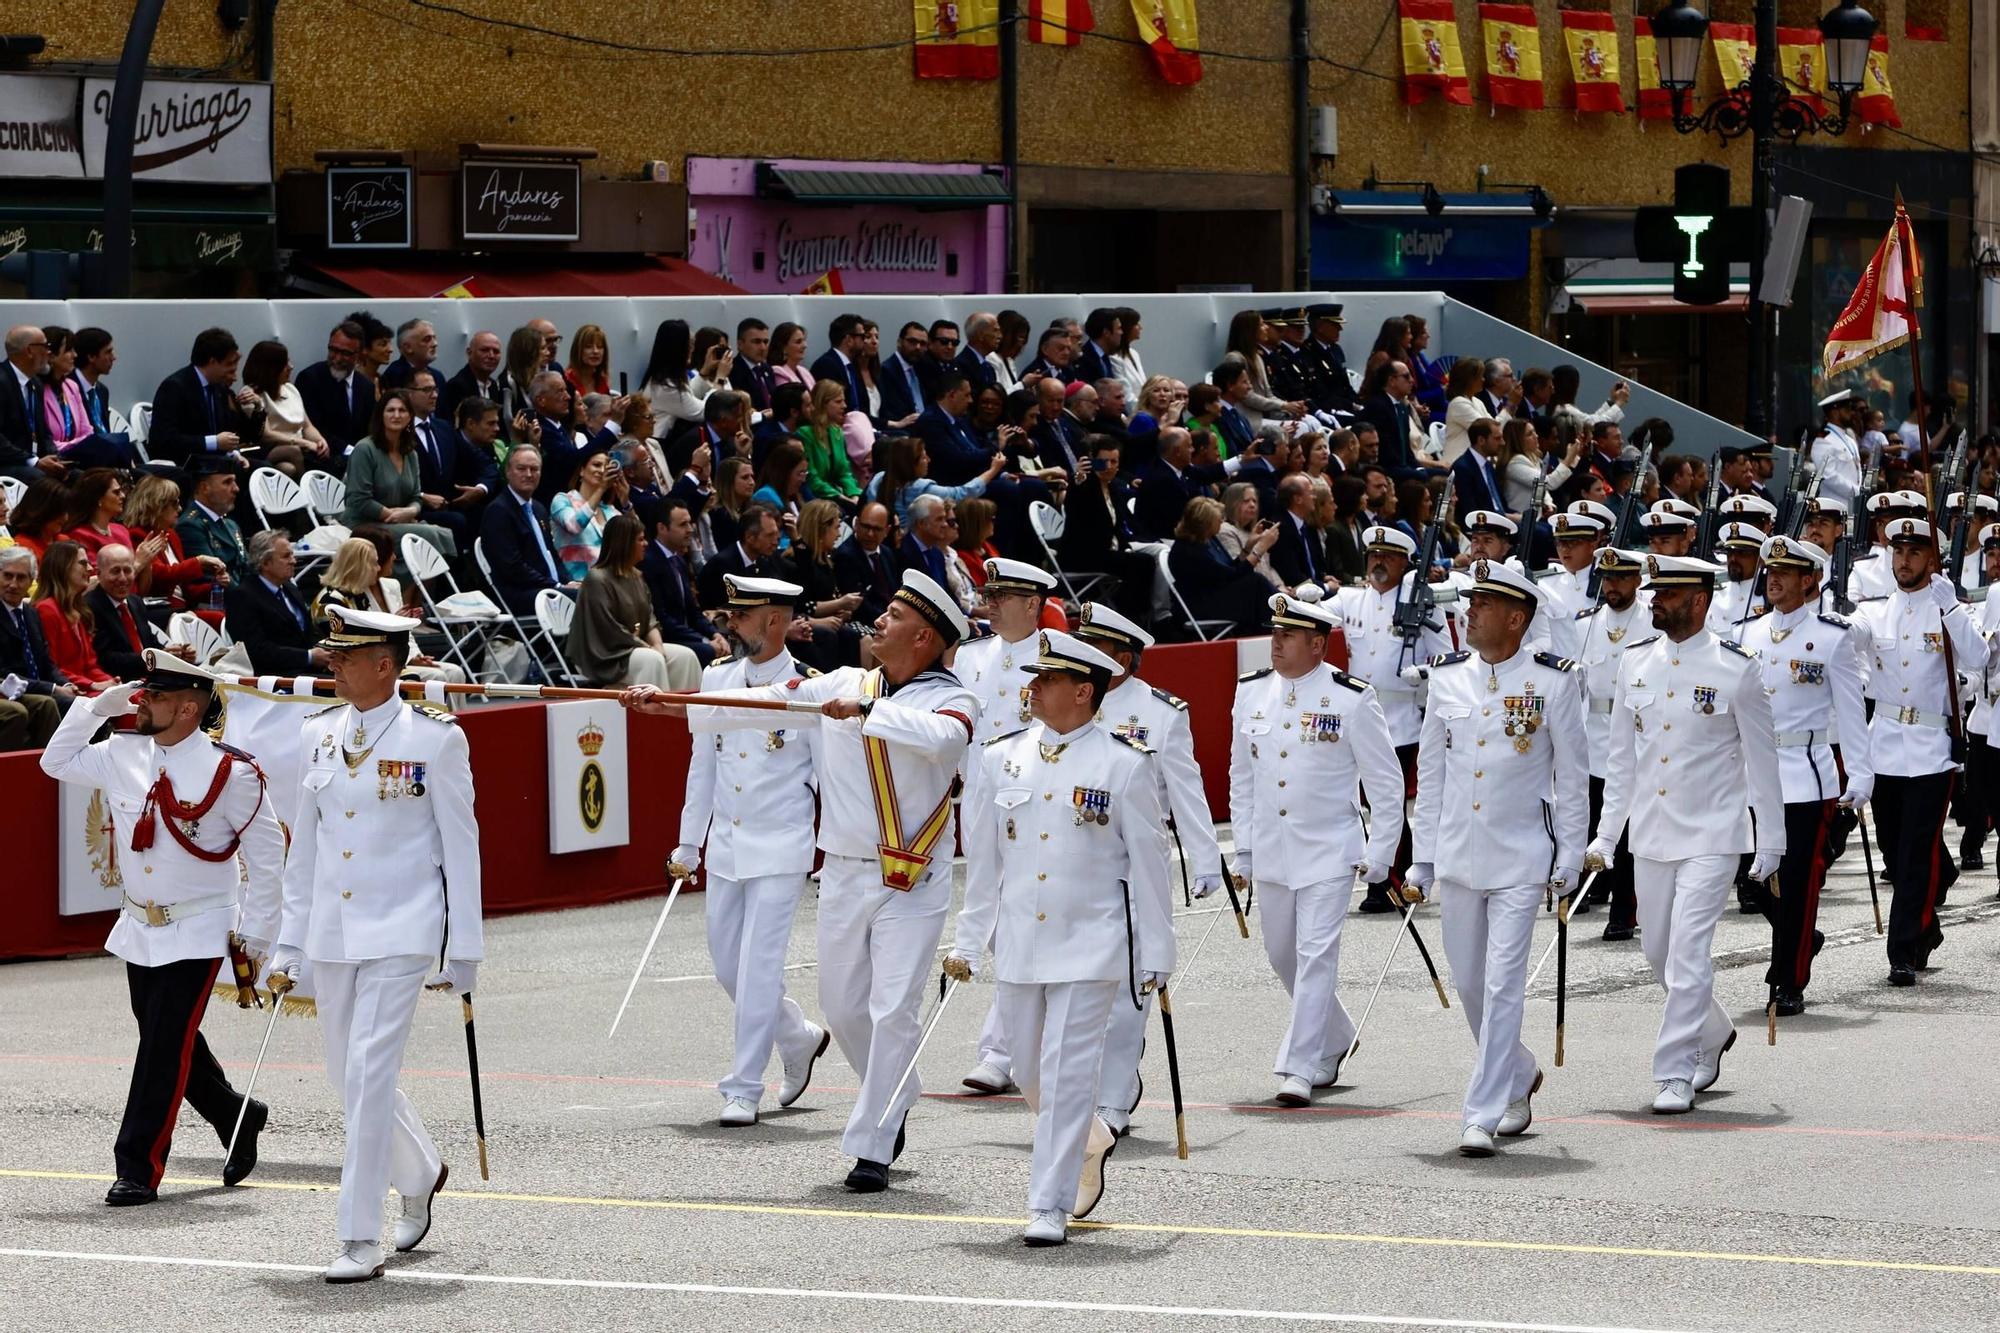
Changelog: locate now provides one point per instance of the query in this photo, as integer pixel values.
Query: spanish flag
(958, 39)
(1877, 103)
(1059, 22)
(826, 284)
(1513, 56)
(1169, 30)
(1735, 51)
(1432, 61)
(1592, 39)
(1655, 102)
(1802, 65)
(467, 290)
(1923, 20)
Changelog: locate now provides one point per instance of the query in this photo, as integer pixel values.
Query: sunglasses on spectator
(945, 342)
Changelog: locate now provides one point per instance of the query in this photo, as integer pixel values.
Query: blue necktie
(541, 542)
(292, 605)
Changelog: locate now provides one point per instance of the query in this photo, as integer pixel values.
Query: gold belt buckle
(156, 915)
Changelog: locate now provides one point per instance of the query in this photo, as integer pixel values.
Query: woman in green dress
(385, 480)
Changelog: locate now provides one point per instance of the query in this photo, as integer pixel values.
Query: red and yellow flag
(958, 39)
(467, 290)
(1172, 35)
(1924, 20)
(826, 284)
(1432, 61)
(1592, 39)
(1059, 22)
(1655, 102)
(1878, 316)
(1513, 56)
(1735, 51)
(1802, 65)
(1876, 104)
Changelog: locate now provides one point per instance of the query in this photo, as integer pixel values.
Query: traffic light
(1699, 234)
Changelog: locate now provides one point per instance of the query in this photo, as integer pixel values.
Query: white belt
(165, 914)
(1789, 739)
(1602, 706)
(1916, 717)
(1399, 690)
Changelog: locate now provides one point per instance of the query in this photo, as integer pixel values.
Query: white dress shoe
(1475, 1142)
(1048, 1226)
(1708, 1068)
(1329, 1074)
(988, 1080)
(738, 1112)
(799, 1065)
(1295, 1091)
(415, 1223)
(1520, 1112)
(1675, 1096)
(359, 1261)
(1090, 1185)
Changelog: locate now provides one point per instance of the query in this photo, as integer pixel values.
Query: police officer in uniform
(1327, 361)
(1307, 740)
(1692, 762)
(1070, 799)
(1811, 665)
(1502, 799)
(749, 796)
(182, 806)
(382, 893)
(1602, 633)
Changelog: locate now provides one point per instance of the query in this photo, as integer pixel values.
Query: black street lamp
(1767, 109)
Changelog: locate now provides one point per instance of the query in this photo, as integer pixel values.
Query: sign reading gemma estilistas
(519, 201)
(370, 208)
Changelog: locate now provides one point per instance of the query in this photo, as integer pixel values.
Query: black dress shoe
(1902, 974)
(1969, 857)
(1790, 1002)
(1618, 933)
(868, 1177)
(244, 1160)
(902, 1136)
(1375, 906)
(1819, 942)
(129, 1194)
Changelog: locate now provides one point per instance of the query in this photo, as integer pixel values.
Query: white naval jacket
(1906, 679)
(1491, 814)
(1301, 753)
(996, 672)
(1375, 655)
(1159, 721)
(385, 847)
(1811, 664)
(1597, 639)
(1837, 458)
(927, 722)
(1060, 896)
(1872, 576)
(751, 793)
(1691, 753)
(125, 766)
(1986, 683)
(1733, 606)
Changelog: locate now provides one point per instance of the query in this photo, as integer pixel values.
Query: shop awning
(487, 275)
(927, 189)
(1644, 298)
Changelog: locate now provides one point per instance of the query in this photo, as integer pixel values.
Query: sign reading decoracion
(520, 201)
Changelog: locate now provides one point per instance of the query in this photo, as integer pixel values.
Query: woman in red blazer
(65, 574)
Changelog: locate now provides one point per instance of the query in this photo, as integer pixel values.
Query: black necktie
(291, 602)
(214, 396)
(431, 447)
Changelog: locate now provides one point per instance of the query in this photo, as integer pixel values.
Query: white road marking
(836, 1294)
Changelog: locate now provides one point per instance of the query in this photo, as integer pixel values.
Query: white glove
(1419, 877)
(1243, 867)
(1151, 981)
(960, 967)
(258, 950)
(1598, 855)
(1943, 592)
(1765, 864)
(1858, 793)
(1206, 884)
(287, 960)
(457, 975)
(1565, 879)
(688, 858)
(117, 701)
(1414, 675)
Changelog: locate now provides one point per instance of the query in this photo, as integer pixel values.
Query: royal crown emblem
(590, 740)
(1482, 571)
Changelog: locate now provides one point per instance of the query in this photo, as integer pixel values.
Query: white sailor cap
(1782, 552)
(1289, 612)
(1989, 536)
(1739, 537)
(1493, 522)
(1601, 512)
(1750, 504)
(747, 594)
(1503, 580)
(351, 627)
(165, 672)
(1659, 520)
(1567, 526)
(1981, 504)
(1065, 654)
(1909, 532)
(921, 594)
(1679, 571)
(1825, 506)
(1102, 624)
(1838, 397)
(1613, 560)
(1004, 575)
(1882, 500)
(1382, 537)
(1673, 504)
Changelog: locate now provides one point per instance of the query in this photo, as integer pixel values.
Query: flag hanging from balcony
(1735, 51)
(1170, 32)
(1876, 104)
(1592, 39)
(1655, 102)
(1432, 61)
(1513, 56)
(958, 39)
(1802, 65)
(1059, 22)
(1923, 20)
(1878, 316)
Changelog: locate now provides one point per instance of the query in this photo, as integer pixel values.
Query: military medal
(1093, 805)
(1010, 830)
(1492, 681)
(1026, 716)
(1315, 727)
(1524, 717)
(1704, 698)
(773, 740)
(1615, 635)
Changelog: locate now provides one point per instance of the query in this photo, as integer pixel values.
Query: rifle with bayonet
(1417, 611)
(1524, 540)
(1711, 510)
(1858, 531)
(1964, 469)
(1793, 523)
(1628, 514)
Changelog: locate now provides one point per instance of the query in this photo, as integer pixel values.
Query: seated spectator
(1155, 404)
(788, 357)
(614, 638)
(905, 476)
(268, 614)
(1430, 377)
(722, 519)
(581, 514)
(67, 628)
(205, 528)
(864, 563)
(1053, 355)
(905, 389)
(39, 519)
(825, 613)
(1249, 339)
(824, 446)
(1204, 407)
(1167, 483)
(96, 502)
(751, 553)
(194, 410)
(517, 540)
(1244, 535)
(988, 414)
(724, 427)
(385, 477)
(670, 580)
(1215, 585)
(1012, 332)
(73, 420)
(1296, 553)
(974, 539)
(164, 570)
(27, 720)
(1565, 381)
(1097, 533)
(1465, 389)
(784, 484)
(1386, 404)
(1058, 434)
(634, 461)
(1523, 463)
(589, 369)
(340, 401)
(847, 343)
(416, 349)
(291, 442)
(927, 547)
(360, 578)
(1346, 552)
(554, 427)
(673, 383)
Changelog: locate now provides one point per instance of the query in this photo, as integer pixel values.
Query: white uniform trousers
(993, 1042)
(1124, 1044)
(365, 1011)
(1058, 1034)
(877, 958)
(749, 930)
(1487, 934)
(1302, 939)
(1680, 903)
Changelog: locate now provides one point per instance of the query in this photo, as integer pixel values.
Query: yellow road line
(1140, 1228)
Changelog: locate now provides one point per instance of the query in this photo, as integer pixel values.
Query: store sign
(774, 246)
(1420, 250)
(39, 133)
(370, 208)
(520, 201)
(209, 133)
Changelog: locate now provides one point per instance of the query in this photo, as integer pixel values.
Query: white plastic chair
(467, 620)
(190, 629)
(554, 611)
(326, 495)
(1202, 628)
(142, 426)
(273, 494)
(546, 649)
(14, 488)
(1048, 523)
(1437, 439)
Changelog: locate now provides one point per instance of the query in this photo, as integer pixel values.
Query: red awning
(487, 275)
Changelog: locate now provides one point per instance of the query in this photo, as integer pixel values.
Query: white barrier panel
(91, 878)
(589, 798)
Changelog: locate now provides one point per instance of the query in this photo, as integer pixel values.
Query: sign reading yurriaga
(520, 201)
(187, 130)
(370, 208)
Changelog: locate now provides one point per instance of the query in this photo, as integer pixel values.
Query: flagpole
(1904, 242)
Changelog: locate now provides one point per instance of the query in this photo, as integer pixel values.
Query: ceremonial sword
(1397, 943)
(679, 874)
(944, 998)
(1174, 1075)
(278, 984)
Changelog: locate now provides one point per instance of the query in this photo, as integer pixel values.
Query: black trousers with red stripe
(1910, 815)
(1794, 913)
(173, 1063)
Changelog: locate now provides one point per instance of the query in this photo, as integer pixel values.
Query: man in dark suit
(1167, 483)
(927, 545)
(194, 411)
(1059, 435)
(751, 372)
(515, 537)
(1097, 534)
(1389, 412)
(955, 452)
(27, 722)
(550, 428)
(1298, 556)
(417, 341)
(1233, 378)
(665, 569)
(456, 471)
(26, 450)
(848, 335)
(982, 336)
(941, 357)
(123, 626)
(749, 554)
(1475, 483)
(1101, 334)
(724, 416)
(268, 615)
(339, 401)
(788, 409)
(904, 393)
(479, 377)
(1053, 357)
(865, 564)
